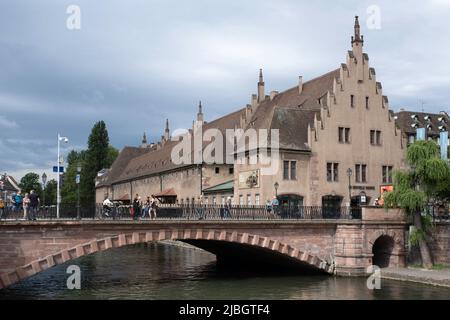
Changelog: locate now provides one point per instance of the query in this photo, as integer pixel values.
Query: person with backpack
(18, 200)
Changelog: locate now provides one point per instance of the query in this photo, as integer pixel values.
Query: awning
(166, 193)
(124, 197)
(223, 187)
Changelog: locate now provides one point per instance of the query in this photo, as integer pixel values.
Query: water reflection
(161, 271)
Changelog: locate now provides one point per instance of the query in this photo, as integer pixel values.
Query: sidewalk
(433, 277)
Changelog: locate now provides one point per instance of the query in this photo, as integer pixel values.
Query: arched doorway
(331, 206)
(382, 251)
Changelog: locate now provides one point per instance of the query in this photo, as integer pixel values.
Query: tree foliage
(31, 181)
(426, 182)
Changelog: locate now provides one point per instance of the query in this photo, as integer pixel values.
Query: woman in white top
(26, 205)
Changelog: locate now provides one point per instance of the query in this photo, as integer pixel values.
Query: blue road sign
(61, 169)
(77, 179)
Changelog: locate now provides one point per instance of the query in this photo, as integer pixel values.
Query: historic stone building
(338, 143)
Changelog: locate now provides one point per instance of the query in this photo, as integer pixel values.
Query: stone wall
(440, 243)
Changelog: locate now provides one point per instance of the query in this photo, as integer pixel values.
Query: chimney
(254, 100)
(273, 94)
(261, 94)
(300, 84)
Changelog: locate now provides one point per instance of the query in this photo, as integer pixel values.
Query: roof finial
(144, 138)
(200, 107)
(167, 124)
(357, 38)
(261, 78)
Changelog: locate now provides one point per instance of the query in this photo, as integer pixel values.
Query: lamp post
(276, 186)
(77, 180)
(58, 164)
(349, 174)
(44, 181)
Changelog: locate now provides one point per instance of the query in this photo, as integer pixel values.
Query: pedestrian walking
(136, 207)
(34, 205)
(153, 208)
(26, 205)
(146, 209)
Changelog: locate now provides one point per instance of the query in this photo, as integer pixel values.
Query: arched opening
(382, 251)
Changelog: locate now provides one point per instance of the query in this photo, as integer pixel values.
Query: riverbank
(439, 278)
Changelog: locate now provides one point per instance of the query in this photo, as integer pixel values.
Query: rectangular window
(293, 170)
(231, 170)
(347, 135)
(257, 199)
(361, 173)
(214, 200)
(358, 173)
(217, 170)
(223, 200)
(378, 136)
(249, 199)
(387, 174)
(344, 135)
(352, 101)
(341, 134)
(332, 172)
(241, 200)
(286, 170)
(367, 102)
(375, 137)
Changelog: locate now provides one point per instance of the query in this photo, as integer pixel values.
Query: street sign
(61, 169)
(77, 179)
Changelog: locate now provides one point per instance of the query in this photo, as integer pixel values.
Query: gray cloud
(135, 63)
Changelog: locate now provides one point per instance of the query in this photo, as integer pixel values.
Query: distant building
(339, 145)
(8, 186)
(409, 121)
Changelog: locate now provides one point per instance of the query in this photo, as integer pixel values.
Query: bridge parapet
(383, 214)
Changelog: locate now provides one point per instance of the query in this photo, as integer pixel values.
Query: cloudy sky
(134, 63)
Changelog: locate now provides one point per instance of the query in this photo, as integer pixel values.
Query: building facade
(338, 145)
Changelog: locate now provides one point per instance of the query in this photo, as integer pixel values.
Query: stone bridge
(341, 247)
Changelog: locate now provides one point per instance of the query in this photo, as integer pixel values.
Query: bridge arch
(386, 245)
(125, 239)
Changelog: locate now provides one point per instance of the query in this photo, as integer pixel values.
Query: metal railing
(188, 212)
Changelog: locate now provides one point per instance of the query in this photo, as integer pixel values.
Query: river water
(163, 271)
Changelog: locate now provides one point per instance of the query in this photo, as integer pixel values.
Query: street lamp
(58, 164)
(77, 180)
(276, 186)
(349, 174)
(44, 181)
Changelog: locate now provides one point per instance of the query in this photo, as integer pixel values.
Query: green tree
(426, 181)
(31, 181)
(69, 187)
(50, 193)
(97, 157)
